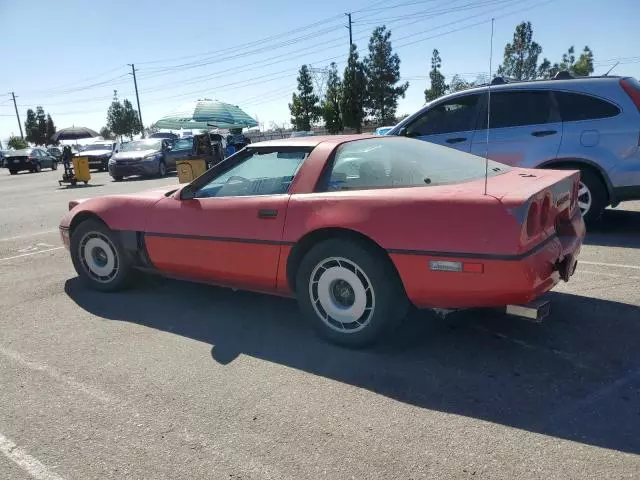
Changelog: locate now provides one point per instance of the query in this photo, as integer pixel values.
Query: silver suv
(591, 124)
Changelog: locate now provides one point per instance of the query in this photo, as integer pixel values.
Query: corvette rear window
(391, 162)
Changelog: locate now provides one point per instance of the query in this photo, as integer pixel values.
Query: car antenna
(486, 157)
(609, 71)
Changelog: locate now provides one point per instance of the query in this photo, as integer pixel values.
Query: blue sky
(69, 56)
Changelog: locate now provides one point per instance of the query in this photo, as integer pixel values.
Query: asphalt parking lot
(183, 381)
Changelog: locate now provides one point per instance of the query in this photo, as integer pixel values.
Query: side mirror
(168, 147)
(402, 132)
(187, 193)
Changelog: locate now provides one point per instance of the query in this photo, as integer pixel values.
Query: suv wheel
(592, 197)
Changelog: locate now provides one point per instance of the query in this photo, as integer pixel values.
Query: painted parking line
(615, 265)
(27, 235)
(57, 376)
(30, 253)
(26, 462)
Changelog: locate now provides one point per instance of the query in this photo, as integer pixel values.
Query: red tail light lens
(533, 219)
(631, 88)
(545, 212)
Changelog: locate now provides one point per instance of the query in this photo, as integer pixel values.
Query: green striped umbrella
(206, 114)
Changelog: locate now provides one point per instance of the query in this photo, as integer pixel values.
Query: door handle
(544, 133)
(456, 140)
(267, 213)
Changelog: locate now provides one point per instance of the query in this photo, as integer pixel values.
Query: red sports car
(357, 228)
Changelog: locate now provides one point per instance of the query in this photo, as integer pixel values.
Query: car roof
(310, 141)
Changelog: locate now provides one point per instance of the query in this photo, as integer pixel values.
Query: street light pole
(13, 95)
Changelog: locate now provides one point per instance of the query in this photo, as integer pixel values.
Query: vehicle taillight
(545, 212)
(576, 192)
(632, 91)
(533, 219)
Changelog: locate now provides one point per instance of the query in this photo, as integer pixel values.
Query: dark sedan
(98, 154)
(31, 159)
(141, 157)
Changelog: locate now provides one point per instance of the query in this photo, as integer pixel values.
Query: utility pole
(135, 84)
(350, 33)
(13, 95)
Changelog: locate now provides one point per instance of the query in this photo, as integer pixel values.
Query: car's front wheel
(98, 257)
(350, 293)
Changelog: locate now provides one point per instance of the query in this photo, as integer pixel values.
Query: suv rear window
(575, 107)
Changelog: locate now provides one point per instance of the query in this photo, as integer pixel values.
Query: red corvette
(357, 228)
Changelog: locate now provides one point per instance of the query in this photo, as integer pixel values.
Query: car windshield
(97, 146)
(403, 162)
(138, 145)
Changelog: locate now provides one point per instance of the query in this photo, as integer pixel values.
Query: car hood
(94, 153)
(133, 155)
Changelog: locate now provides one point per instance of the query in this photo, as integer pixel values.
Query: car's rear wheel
(592, 197)
(350, 293)
(117, 178)
(38, 168)
(98, 257)
(13, 172)
(162, 168)
(54, 165)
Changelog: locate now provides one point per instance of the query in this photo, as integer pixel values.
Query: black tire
(54, 165)
(13, 172)
(105, 247)
(385, 304)
(162, 169)
(38, 168)
(117, 178)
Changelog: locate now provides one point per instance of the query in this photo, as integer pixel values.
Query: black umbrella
(74, 133)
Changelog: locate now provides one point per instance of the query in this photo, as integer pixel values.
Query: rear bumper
(20, 165)
(506, 280)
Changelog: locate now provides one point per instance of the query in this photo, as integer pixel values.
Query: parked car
(2, 155)
(98, 154)
(301, 134)
(166, 135)
(55, 152)
(591, 124)
(383, 130)
(356, 246)
(141, 157)
(31, 159)
(187, 148)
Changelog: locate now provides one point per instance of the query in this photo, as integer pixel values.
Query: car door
(227, 229)
(525, 128)
(180, 150)
(450, 122)
(41, 158)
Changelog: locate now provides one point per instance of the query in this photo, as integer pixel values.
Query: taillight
(632, 91)
(576, 192)
(545, 212)
(533, 219)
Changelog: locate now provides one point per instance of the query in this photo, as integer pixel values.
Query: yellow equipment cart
(79, 173)
(189, 170)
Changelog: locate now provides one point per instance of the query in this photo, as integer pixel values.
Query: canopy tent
(205, 115)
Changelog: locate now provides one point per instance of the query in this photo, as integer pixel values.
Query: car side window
(575, 107)
(455, 115)
(183, 144)
(260, 173)
(518, 109)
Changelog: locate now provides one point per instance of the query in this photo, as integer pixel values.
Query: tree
(16, 143)
(582, 67)
(331, 103)
(50, 131)
(458, 83)
(304, 106)
(382, 68)
(438, 85)
(31, 127)
(106, 133)
(115, 116)
(353, 91)
(42, 126)
(153, 128)
(131, 119)
(521, 56)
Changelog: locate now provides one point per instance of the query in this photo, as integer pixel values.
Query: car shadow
(617, 228)
(139, 178)
(575, 376)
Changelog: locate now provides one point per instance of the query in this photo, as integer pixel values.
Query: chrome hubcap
(341, 295)
(584, 199)
(99, 257)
